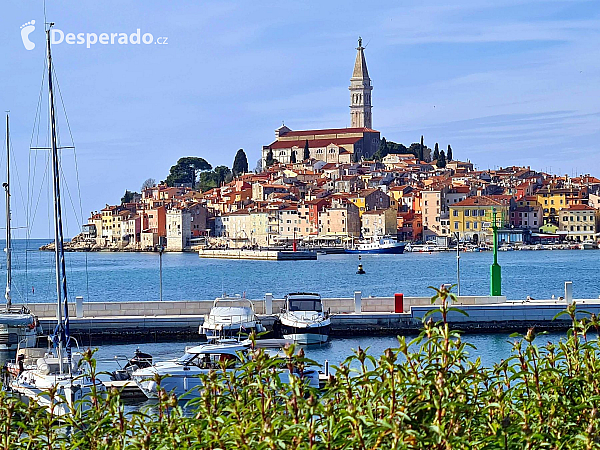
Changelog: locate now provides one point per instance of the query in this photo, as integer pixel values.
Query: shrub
(426, 394)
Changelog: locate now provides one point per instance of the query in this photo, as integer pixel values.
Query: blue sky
(504, 82)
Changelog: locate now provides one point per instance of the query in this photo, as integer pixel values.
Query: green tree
(421, 150)
(187, 171)
(306, 151)
(240, 163)
(293, 157)
(127, 198)
(436, 152)
(221, 174)
(269, 160)
(449, 153)
(383, 149)
(208, 180)
(441, 163)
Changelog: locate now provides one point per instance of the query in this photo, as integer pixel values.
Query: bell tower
(360, 91)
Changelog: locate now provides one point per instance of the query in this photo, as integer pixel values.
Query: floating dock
(273, 255)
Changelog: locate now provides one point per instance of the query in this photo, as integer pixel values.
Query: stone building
(334, 145)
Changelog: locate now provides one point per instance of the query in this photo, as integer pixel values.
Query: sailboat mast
(6, 185)
(61, 276)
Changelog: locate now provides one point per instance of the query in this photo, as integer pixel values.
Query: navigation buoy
(360, 270)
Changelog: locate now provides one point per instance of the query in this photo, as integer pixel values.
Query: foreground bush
(433, 398)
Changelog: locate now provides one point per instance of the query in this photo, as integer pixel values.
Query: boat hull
(309, 335)
(396, 250)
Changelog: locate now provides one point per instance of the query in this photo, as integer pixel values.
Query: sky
(504, 82)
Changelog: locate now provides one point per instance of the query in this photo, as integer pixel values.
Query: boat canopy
(17, 320)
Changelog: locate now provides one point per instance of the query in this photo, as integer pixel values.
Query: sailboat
(58, 382)
(18, 327)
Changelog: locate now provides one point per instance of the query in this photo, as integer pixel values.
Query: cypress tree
(449, 154)
(421, 150)
(306, 150)
(269, 161)
(436, 152)
(293, 157)
(240, 163)
(442, 161)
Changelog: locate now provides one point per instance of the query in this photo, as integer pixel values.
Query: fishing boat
(303, 320)
(230, 316)
(377, 245)
(181, 376)
(60, 380)
(18, 327)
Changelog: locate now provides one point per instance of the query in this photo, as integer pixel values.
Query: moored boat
(378, 245)
(181, 377)
(60, 380)
(303, 319)
(230, 316)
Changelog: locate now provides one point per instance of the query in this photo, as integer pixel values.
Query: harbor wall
(155, 320)
(202, 307)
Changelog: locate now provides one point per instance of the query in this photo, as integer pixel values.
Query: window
(455, 213)
(468, 225)
(467, 212)
(474, 213)
(474, 225)
(456, 225)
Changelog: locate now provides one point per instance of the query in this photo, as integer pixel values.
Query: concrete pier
(128, 321)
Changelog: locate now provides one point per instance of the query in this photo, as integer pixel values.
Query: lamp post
(161, 249)
(495, 270)
(457, 264)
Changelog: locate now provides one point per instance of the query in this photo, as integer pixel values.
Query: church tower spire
(360, 91)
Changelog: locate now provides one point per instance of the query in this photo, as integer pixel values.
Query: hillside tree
(187, 171)
(240, 163)
(436, 152)
(449, 153)
(306, 151)
(269, 160)
(441, 163)
(150, 182)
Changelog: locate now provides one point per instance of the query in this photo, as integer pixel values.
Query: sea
(116, 276)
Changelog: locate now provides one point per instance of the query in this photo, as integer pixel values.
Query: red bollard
(398, 303)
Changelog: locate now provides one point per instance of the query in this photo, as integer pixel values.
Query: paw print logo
(26, 30)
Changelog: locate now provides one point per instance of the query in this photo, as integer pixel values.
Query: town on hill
(329, 187)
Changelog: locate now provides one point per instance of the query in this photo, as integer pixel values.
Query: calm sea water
(135, 277)
(109, 276)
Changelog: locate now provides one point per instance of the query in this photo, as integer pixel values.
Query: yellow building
(552, 201)
(471, 218)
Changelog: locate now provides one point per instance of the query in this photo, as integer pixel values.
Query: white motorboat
(58, 381)
(385, 245)
(303, 319)
(589, 244)
(230, 316)
(18, 327)
(181, 377)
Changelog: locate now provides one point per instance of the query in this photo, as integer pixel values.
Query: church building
(335, 145)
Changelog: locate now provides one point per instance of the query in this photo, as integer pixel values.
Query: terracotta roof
(314, 143)
(580, 208)
(330, 131)
(477, 201)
